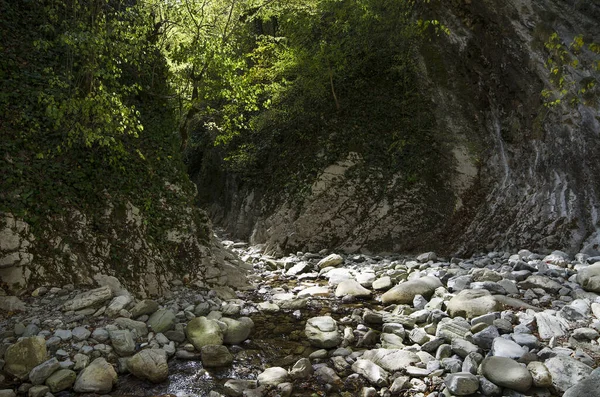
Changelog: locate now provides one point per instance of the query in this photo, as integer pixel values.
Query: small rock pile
(65, 340)
(495, 324)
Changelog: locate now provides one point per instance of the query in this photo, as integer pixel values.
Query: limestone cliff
(509, 171)
(82, 248)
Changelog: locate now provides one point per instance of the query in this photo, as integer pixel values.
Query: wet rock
(40, 373)
(506, 372)
(150, 364)
(201, 331)
(462, 383)
(215, 356)
(471, 303)
(273, 376)
(25, 355)
(91, 298)
(322, 332)
(405, 292)
(61, 380)
(98, 377)
(566, 371)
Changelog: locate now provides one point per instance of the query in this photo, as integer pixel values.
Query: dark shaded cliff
(498, 170)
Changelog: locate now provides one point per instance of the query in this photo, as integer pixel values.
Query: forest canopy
(95, 89)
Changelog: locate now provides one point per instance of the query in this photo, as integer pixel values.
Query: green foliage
(284, 88)
(573, 72)
(86, 112)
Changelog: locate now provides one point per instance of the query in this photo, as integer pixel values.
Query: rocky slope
(509, 172)
(506, 324)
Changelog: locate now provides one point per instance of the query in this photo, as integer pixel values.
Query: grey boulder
(98, 377)
(149, 364)
(322, 332)
(405, 292)
(506, 372)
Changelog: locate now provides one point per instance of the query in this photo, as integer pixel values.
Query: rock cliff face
(511, 172)
(82, 248)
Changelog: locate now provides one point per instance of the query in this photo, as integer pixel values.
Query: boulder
(566, 371)
(38, 391)
(540, 374)
(539, 281)
(549, 325)
(91, 298)
(332, 260)
(506, 372)
(382, 283)
(506, 348)
(588, 387)
(12, 304)
(141, 308)
(462, 383)
(201, 331)
(371, 371)
(161, 320)
(273, 376)
(322, 332)
(471, 303)
(117, 304)
(392, 360)
(237, 330)
(40, 373)
(149, 364)
(302, 369)
(351, 288)
(215, 356)
(99, 377)
(25, 355)
(61, 380)
(405, 292)
(122, 342)
(589, 277)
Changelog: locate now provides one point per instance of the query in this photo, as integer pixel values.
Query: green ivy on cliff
(86, 111)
